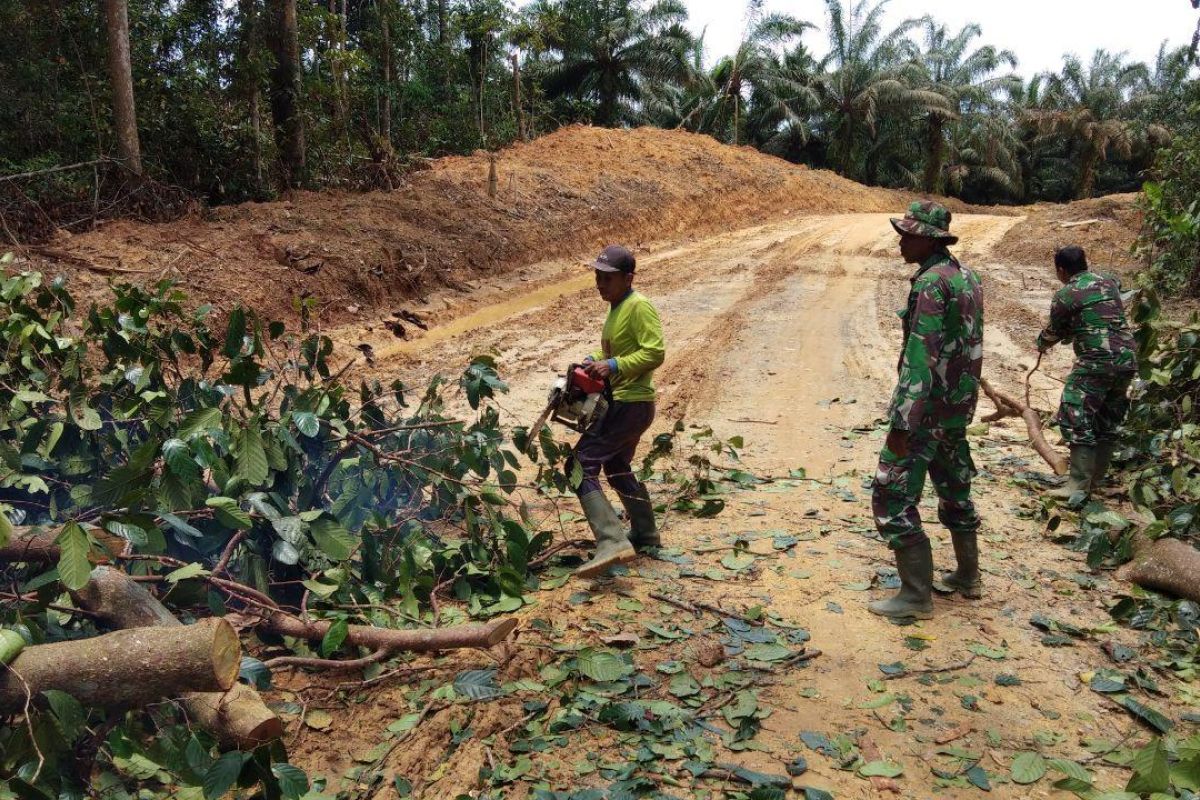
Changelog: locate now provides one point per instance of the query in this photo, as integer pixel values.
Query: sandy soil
(784, 333)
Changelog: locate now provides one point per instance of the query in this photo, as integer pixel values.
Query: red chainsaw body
(581, 380)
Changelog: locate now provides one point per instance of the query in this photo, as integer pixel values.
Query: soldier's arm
(1061, 313)
(919, 358)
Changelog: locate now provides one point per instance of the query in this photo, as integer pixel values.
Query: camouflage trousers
(945, 455)
(1093, 407)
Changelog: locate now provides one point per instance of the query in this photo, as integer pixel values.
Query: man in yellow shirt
(631, 347)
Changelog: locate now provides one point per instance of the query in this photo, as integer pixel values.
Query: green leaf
(251, 457)
(223, 774)
(334, 637)
(199, 421)
(235, 334)
(333, 539)
(183, 573)
(880, 769)
(405, 723)
(81, 414)
(1151, 772)
(1028, 768)
(601, 666)
(74, 569)
(6, 527)
(122, 485)
(1153, 718)
(179, 459)
(684, 685)
(69, 713)
(307, 423)
(228, 512)
(477, 684)
(293, 783)
(1070, 769)
(768, 652)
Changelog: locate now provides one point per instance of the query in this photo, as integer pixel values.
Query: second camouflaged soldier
(934, 401)
(1087, 311)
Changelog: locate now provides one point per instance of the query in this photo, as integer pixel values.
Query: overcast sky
(1038, 31)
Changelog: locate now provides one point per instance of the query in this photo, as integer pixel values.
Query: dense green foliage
(1171, 238)
(244, 473)
(914, 106)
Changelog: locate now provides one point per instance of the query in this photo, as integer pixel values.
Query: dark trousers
(609, 446)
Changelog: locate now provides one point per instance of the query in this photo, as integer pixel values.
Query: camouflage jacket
(942, 356)
(1087, 311)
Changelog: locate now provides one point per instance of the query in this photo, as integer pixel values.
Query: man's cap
(615, 258)
(926, 218)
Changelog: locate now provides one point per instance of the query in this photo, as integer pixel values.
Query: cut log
(31, 545)
(1009, 407)
(1166, 565)
(417, 641)
(238, 718)
(126, 669)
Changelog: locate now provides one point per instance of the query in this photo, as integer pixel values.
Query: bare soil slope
(563, 194)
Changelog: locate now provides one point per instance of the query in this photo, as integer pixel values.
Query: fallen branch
(416, 641)
(327, 663)
(238, 718)
(932, 670)
(1007, 406)
(127, 669)
(695, 606)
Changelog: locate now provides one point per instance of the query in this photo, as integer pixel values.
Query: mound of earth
(563, 194)
(1105, 227)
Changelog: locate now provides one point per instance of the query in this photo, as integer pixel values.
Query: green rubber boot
(643, 531)
(612, 544)
(915, 598)
(1104, 454)
(965, 579)
(1079, 480)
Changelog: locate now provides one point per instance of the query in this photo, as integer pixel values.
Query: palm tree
(860, 77)
(968, 81)
(756, 69)
(1089, 108)
(611, 50)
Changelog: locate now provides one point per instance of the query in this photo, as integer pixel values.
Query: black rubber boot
(1104, 454)
(915, 598)
(643, 531)
(612, 545)
(965, 579)
(1079, 481)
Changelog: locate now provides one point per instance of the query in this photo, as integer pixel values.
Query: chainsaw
(576, 400)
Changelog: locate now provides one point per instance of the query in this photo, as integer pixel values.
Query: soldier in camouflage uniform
(934, 401)
(1087, 311)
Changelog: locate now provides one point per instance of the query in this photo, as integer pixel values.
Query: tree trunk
(126, 669)
(517, 110)
(935, 145)
(285, 92)
(385, 104)
(32, 546)
(1087, 174)
(120, 77)
(1166, 565)
(416, 641)
(249, 79)
(238, 718)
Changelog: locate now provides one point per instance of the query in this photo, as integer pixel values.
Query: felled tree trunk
(1010, 407)
(32, 546)
(1166, 565)
(238, 717)
(126, 668)
(417, 641)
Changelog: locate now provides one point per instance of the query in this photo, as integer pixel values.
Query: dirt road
(785, 334)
